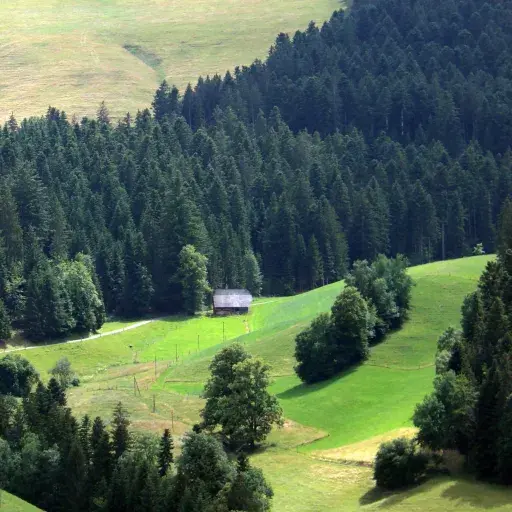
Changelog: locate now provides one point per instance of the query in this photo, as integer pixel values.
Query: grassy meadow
(10, 503)
(320, 459)
(73, 55)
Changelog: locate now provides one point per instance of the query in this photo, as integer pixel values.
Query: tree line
(376, 299)
(57, 462)
(470, 408)
(383, 132)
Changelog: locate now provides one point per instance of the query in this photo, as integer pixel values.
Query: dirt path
(79, 340)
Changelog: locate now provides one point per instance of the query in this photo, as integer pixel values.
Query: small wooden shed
(228, 302)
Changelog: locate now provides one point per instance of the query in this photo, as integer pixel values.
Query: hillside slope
(367, 401)
(11, 503)
(73, 56)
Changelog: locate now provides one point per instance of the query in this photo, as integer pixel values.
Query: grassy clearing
(303, 484)
(317, 461)
(374, 398)
(163, 339)
(11, 503)
(73, 55)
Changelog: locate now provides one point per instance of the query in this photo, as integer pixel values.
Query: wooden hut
(228, 302)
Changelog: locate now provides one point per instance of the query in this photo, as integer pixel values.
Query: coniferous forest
(384, 131)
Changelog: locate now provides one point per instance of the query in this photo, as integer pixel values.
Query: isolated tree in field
(217, 386)
(249, 410)
(63, 372)
(121, 437)
(5, 323)
(165, 453)
(192, 275)
(237, 398)
(17, 376)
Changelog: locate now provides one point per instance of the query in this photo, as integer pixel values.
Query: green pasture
(73, 55)
(304, 484)
(164, 339)
(10, 503)
(372, 399)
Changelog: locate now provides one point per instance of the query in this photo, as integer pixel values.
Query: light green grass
(377, 397)
(303, 484)
(73, 55)
(374, 398)
(163, 338)
(381, 394)
(10, 503)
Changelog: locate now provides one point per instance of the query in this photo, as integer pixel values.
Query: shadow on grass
(395, 497)
(305, 389)
(469, 492)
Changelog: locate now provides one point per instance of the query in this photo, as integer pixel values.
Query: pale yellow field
(73, 54)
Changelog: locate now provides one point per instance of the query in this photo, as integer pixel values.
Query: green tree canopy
(192, 275)
(237, 399)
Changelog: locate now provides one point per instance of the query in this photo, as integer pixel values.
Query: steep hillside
(75, 55)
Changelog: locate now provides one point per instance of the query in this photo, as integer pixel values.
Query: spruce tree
(486, 438)
(56, 392)
(316, 264)
(5, 323)
(121, 437)
(165, 453)
(504, 463)
(253, 277)
(101, 457)
(505, 235)
(75, 477)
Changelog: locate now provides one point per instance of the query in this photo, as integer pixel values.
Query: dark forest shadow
(395, 497)
(305, 389)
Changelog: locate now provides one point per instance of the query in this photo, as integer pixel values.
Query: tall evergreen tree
(165, 453)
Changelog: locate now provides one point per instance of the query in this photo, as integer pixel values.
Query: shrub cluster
(386, 286)
(399, 463)
(376, 299)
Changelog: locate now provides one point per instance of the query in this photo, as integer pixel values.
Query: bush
(63, 372)
(399, 463)
(17, 376)
(75, 382)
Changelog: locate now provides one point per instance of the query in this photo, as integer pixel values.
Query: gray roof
(232, 299)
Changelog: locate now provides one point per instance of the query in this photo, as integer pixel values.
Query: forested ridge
(385, 131)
